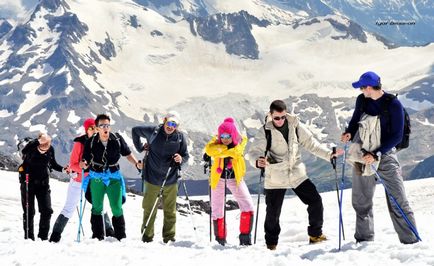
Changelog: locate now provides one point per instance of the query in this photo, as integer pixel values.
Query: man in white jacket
(284, 169)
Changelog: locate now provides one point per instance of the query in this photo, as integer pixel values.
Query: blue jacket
(161, 151)
(392, 127)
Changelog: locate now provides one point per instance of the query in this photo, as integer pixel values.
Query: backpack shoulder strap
(385, 113)
(154, 134)
(118, 138)
(92, 141)
(268, 138)
(388, 99)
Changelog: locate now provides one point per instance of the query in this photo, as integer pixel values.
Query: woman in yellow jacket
(227, 150)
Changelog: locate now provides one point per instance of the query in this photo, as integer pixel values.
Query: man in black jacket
(165, 146)
(39, 161)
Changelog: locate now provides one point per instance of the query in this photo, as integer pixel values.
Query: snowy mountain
(195, 249)
(402, 22)
(208, 59)
(5, 27)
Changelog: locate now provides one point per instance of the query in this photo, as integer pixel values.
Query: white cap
(173, 116)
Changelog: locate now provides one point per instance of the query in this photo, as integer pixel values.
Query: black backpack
(22, 143)
(385, 114)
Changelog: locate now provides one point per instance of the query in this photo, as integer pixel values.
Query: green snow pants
(114, 194)
(150, 194)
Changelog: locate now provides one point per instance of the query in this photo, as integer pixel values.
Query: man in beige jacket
(284, 169)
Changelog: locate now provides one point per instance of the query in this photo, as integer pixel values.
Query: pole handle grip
(333, 159)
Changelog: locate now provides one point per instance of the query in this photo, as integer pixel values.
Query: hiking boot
(119, 227)
(358, 241)
(146, 239)
(272, 247)
(97, 226)
(172, 239)
(221, 241)
(220, 231)
(317, 239)
(58, 227)
(245, 240)
(55, 237)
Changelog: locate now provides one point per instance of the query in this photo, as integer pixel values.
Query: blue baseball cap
(367, 79)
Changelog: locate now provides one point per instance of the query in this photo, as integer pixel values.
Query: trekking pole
(208, 164)
(257, 205)
(210, 214)
(160, 193)
(341, 224)
(401, 211)
(27, 206)
(224, 210)
(141, 173)
(259, 196)
(344, 158)
(80, 214)
(188, 203)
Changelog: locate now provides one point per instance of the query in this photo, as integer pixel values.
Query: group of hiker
(275, 150)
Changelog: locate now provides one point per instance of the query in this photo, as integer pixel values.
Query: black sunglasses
(278, 118)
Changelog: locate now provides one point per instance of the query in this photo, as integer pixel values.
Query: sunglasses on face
(104, 126)
(91, 128)
(363, 87)
(278, 118)
(225, 136)
(171, 124)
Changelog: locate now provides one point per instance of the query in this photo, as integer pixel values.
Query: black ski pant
(308, 194)
(41, 192)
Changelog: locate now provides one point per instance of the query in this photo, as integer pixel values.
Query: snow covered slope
(191, 250)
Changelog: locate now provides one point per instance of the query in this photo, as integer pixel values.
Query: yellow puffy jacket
(220, 151)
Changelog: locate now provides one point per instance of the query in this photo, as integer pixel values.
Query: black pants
(42, 194)
(308, 194)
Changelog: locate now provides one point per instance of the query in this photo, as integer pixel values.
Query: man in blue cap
(388, 114)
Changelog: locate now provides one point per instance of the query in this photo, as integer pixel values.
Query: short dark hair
(101, 117)
(377, 88)
(278, 106)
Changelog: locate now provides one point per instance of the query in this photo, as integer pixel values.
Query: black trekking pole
(224, 210)
(341, 224)
(188, 201)
(208, 164)
(160, 193)
(259, 196)
(210, 213)
(27, 206)
(341, 229)
(257, 204)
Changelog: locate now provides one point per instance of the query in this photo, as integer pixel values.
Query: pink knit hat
(87, 123)
(228, 126)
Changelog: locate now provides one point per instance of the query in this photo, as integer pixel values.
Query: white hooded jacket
(286, 170)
